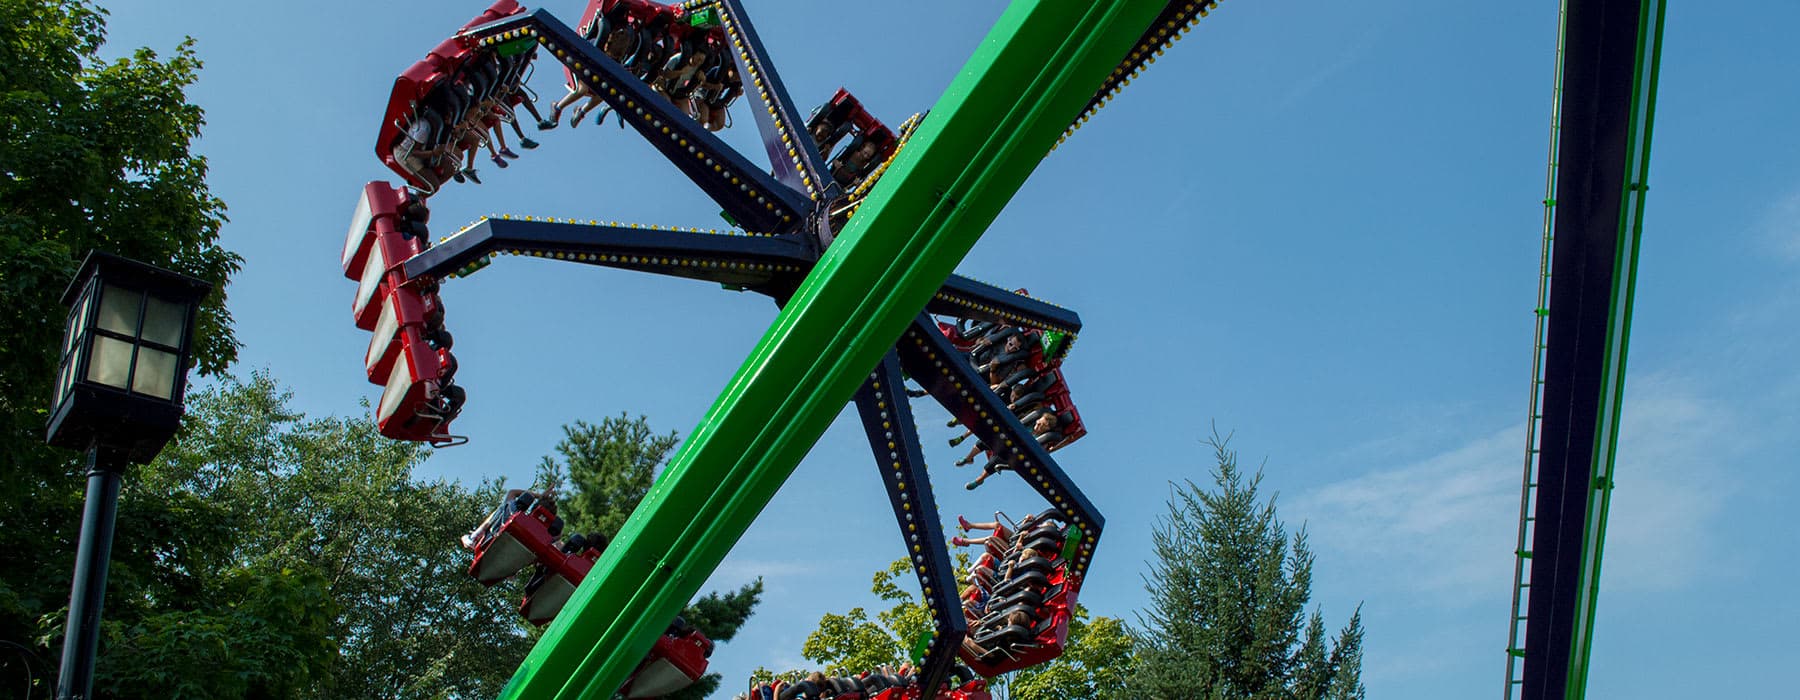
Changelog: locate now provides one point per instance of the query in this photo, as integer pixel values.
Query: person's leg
(966, 525)
(556, 109)
(958, 440)
(970, 458)
(500, 138)
(582, 111)
(493, 153)
(530, 107)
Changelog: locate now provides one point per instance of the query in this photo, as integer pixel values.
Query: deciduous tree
(93, 154)
(1093, 665)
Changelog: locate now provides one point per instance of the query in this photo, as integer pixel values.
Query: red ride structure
(409, 349)
(441, 103)
(523, 532)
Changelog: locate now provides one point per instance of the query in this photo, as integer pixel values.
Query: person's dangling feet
(472, 176)
(966, 461)
(526, 143)
(958, 440)
(500, 161)
(972, 485)
(959, 541)
(964, 523)
(548, 124)
(458, 176)
(508, 153)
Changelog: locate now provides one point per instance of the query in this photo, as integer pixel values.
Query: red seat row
(1051, 391)
(870, 144)
(522, 532)
(1026, 599)
(442, 104)
(409, 349)
(680, 51)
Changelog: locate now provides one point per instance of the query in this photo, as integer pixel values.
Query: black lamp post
(118, 396)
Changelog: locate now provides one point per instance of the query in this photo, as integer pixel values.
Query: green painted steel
(1032, 74)
(1618, 334)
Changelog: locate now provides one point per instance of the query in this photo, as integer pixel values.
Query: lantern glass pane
(119, 310)
(112, 362)
(164, 322)
(155, 375)
(78, 318)
(62, 384)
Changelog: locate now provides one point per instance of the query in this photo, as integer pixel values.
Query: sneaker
(500, 161)
(458, 176)
(526, 143)
(959, 541)
(958, 440)
(508, 153)
(966, 461)
(547, 124)
(971, 485)
(472, 176)
(964, 523)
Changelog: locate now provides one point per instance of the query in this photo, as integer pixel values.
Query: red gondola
(871, 142)
(409, 351)
(519, 538)
(432, 96)
(1055, 394)
(676, 660)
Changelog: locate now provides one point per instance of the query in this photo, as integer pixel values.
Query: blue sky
(1313, 223)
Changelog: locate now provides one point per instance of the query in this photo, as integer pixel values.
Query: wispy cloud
(1441, 526)
(1442, 529)
(1781, 225)
(1673, 477)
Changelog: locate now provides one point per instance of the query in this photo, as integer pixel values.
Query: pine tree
(1229, 591)
(605, 470)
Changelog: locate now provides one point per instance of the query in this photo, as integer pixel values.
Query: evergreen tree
(1228, 592)
(604, 471)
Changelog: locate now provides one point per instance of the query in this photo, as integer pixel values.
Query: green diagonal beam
(1032, 74)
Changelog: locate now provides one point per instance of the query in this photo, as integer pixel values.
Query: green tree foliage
(600, 473)
(604, 471)
(1229, 591)
(332, 496)
(1093, 665)
(92, 155)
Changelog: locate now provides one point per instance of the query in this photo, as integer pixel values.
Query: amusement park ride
(854, 230)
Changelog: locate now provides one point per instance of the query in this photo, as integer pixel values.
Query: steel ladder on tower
(1515, 651)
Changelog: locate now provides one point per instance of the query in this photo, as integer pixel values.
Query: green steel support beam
(1618, 333)
(1032, 74)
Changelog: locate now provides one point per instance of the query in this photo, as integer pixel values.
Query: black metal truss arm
(942, 371)
(752, 197)
(887, 419)
(738, 260)
(796, 158)
(968, 298)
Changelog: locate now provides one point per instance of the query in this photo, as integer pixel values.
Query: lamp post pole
(82, 639)
(118, 397)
